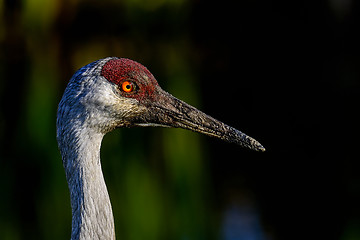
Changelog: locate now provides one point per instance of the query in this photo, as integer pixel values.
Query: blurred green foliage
(287, 70)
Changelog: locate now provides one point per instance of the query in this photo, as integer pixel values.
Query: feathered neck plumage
(79, 144)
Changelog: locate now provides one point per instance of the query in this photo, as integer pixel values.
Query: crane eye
(128, 86)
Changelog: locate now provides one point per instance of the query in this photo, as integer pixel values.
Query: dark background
(285, 72)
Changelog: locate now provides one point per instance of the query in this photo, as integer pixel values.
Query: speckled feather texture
(94, 104)
(79, 139)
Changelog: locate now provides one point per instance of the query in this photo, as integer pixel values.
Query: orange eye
(127, 86)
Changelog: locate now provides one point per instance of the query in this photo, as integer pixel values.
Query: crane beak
(167, 111)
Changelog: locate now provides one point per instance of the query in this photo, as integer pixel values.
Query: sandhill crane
(107, 94)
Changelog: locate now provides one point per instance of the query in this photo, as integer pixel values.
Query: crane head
(119, 92)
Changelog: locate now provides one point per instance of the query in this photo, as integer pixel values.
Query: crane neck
(92, 216)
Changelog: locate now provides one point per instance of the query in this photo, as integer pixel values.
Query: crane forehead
(116, 70)
(120, 69)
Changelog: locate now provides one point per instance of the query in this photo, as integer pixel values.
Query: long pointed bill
(169, 111)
